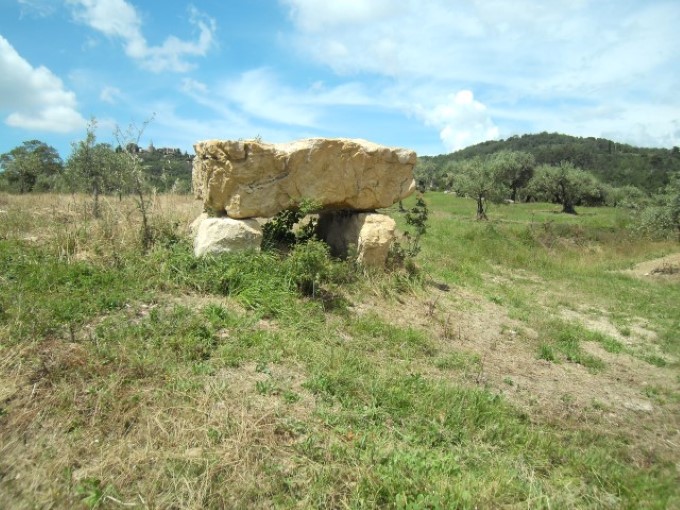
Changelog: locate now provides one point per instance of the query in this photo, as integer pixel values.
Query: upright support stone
(223, 235)
(370, 234)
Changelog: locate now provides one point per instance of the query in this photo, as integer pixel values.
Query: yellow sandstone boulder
(246, 179)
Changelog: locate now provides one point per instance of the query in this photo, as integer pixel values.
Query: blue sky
(431, 75)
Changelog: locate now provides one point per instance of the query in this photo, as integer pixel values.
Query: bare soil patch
(629, 396)
(662, 269)
(637, 334)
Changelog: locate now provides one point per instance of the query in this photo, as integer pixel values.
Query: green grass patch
(246, 380)
(655, 360)
(566, 339)
(546, 352)
(458, 360)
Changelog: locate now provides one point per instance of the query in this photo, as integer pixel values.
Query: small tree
(34, 165)
(93, 167)
(416, 217)
(514, 169)
(661, 216)
(671, 203)
(279, 232)
(478, 179)
(426, 175)
(628, 197)
(564, 184)
(133, 177)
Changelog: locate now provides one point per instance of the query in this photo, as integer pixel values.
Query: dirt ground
(631, 398)
(665, 268)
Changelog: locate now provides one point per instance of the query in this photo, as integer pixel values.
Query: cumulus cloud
(34, 97)
(461, 121)
(580, 57)
(119, 19)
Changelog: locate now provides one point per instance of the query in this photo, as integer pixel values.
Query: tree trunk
(481, 213)
(568, 208)
(95, 199)
(147, 235)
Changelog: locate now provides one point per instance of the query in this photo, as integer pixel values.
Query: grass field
(530, 363)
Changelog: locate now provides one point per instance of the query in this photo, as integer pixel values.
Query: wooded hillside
(613, 163)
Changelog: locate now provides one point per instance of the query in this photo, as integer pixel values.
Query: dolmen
(243, 182)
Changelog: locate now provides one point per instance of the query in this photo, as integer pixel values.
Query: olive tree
(563, 184)
(514, 169)
(134, 176)
(478, 179)
(33, 166)
(662, 215)
(93, 167)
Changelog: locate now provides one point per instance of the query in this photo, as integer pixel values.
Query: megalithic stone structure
(240, 180)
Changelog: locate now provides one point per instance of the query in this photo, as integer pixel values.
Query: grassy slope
(490, 381)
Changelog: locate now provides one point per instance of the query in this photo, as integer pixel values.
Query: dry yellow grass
(65, 222)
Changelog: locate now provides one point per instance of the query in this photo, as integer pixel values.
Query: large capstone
(245, 179)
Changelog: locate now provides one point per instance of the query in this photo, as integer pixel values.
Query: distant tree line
(612, 163)
(510, 176)
(92, 166)
(555, 168)
(564, 170)
(98, 169)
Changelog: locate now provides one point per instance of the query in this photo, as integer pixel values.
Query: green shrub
(416, 217)
(279, 231)
(309, 265)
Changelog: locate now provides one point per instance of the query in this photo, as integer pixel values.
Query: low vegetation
(524, 362)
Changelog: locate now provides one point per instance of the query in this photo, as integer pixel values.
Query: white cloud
(191, 86)
(471, 41)
(462, 121)
(39, 8)
(110, 94)
(34, 97)
(170, 129)
(119, 19)
(308, 15)
(649, 135)
(260, 93)
(345, 94)
(585, 58)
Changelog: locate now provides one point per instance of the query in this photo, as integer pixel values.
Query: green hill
(168, 169)
(613, 163)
